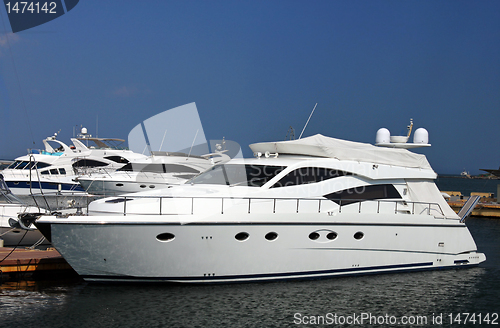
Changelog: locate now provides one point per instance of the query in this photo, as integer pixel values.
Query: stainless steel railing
(256, 204)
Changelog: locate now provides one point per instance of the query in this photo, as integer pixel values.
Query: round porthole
(166, 236)
(313, 235)
(242, 236)
(142, 186)
(359, 235)
(331, 235)
(151, 186)
(119, 184)
(271, 236)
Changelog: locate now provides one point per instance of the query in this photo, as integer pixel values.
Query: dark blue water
(285, 304)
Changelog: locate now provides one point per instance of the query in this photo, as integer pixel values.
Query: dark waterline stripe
(271, 276)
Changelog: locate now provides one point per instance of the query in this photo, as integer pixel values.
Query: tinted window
(359, 194)
(306, 175)
(41, 165)
(54, 171)
(159, 168)
(62, 171)
(88, 163)
(117, 159)
(239, 174)
(22, 165)
(13, 165)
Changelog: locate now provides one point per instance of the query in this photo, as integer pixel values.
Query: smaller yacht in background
(54, 169)
(158, 171)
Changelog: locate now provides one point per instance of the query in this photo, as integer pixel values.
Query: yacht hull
(119, 187)
(17, 236)
(277, 247)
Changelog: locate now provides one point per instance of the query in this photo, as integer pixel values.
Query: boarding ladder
(466, 210)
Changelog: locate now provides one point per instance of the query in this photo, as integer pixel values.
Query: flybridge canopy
(321, 146)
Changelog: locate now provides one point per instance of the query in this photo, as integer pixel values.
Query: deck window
(158, 168)
(22, 165)
(41, 165)
(88, 163)
(117, 159)
(238, 175)
(305, 175)
(362, 193)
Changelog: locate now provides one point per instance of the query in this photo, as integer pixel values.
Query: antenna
(161, 145)
(308, 120)
(193, 142)
(290, 134)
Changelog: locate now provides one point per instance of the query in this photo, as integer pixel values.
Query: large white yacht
(309, 208)
(54, 169)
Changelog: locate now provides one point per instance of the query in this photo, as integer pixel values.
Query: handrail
(403, 208)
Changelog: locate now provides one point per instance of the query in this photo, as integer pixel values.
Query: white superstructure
(309, 208)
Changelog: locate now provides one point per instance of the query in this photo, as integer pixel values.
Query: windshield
(238, 174)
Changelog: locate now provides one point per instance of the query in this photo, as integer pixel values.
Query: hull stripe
(267, 276)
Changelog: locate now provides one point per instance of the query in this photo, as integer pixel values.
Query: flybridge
(321, 146)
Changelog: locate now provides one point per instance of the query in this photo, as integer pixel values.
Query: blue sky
(254, 68)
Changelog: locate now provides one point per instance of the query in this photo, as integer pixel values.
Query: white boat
(160, 170)
(310, 208)
(54, 169)
(12, 232)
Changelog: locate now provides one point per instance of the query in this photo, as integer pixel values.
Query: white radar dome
(421, 136)
(84, 130)
(383, 136)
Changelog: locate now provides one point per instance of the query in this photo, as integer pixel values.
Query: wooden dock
(481, 209)
(488, 205)
(25, 264)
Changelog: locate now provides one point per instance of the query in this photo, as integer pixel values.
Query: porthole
(166, 236)
(242, 236)
(119, 184)
(331, 235)
(313, 235)
(271, 236)
(152, 186)
(359, 235)
(142, 186)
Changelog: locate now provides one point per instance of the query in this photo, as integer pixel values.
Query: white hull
(390, 243)
(129, 182)
(17, 237)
